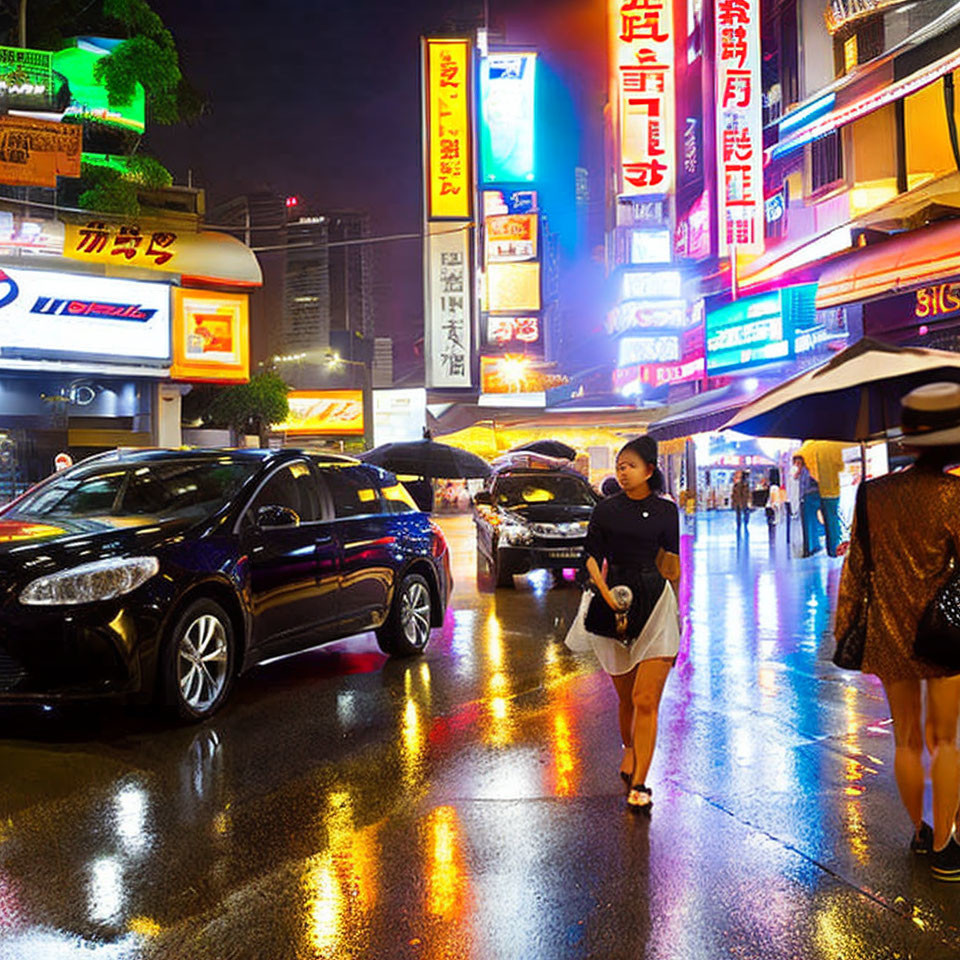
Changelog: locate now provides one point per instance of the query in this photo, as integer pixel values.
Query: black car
(531, 517)
(165, 574)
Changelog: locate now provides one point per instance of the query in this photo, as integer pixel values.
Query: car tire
(502, 573)
(198, 660)
(406, 631)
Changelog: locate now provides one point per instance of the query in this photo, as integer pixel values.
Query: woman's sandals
(640, 798)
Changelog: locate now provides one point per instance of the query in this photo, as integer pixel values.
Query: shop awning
(701, 414)
(899, 264)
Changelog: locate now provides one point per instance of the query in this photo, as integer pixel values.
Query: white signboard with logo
(449, 325)
(46, 315)
(399, 415)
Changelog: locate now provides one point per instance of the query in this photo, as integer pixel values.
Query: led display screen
(507, 96)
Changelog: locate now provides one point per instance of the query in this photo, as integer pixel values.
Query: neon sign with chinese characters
(739, 126)
(643, 41)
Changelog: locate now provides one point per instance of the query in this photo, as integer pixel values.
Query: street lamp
(334, 362)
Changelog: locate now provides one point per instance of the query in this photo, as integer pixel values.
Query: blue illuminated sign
(758, 330)
(507, 105)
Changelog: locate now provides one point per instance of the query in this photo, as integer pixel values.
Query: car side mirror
(483, 499)
(274, 516)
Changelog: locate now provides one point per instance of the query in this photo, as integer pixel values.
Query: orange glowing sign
(642, 41)
(518, 374)
(329, 412)
(449, 170)
(938, 300)
(210, 336)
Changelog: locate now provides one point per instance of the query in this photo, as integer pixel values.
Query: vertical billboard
(448, 333)
(643, 61)
(447, 147)
(739, 127)
(507, 110)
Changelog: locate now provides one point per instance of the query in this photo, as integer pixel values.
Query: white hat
(931, 415)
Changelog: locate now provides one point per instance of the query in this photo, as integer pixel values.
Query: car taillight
(439, 540)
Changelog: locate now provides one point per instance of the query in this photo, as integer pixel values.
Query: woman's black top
(630, 533)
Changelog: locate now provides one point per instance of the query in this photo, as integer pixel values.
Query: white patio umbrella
(853, 397)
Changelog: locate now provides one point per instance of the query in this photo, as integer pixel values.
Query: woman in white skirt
(634, 540)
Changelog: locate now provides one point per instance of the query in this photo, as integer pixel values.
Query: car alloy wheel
(415, 612)
(202, 662)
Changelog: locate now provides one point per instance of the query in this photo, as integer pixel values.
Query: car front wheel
(407, 628)
(198, 661)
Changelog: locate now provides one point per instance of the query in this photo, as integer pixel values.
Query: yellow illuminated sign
(210, 336)
(448, 148)
(331, 412)
(513, 286)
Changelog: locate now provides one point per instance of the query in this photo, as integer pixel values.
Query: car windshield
(525, 489)
(170, 488)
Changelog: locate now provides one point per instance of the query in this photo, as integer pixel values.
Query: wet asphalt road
(467, 804)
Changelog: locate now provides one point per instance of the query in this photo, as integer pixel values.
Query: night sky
(321, 99)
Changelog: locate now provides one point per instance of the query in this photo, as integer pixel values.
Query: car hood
(550, 512)
(35, 547)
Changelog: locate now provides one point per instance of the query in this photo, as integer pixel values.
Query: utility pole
(23, 23)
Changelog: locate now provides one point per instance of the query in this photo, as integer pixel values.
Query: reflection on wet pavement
(467, 804)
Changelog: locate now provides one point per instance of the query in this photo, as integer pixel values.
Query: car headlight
(90, 582)
(515, 533)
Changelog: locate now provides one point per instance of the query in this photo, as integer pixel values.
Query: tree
(255, 406)
(147, 56)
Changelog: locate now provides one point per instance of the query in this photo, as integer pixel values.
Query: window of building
(826, 161)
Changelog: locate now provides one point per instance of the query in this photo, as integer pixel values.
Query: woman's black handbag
(938, 635)
(646, 586)
(850, 647)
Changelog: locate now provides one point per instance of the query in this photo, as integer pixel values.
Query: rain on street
(467, 804)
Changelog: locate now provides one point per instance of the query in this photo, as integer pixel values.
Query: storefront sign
(88, 96)
(692, 239)
(841, 12)
(54, 316)
(497, 202)
(507, 137)
(631, 381)
(210, 336)
(642, 42)
(937, 301)
(650, 246)
(650, 284)
(448, 331)
(516, 332)
(513, 286)
(647, 314)
(748, 332)
(518, 374)
(327, 412)
(97, 241)
(447, 140)
(739, 126)
(511, 237)
(648, 349)
(36, 152)
(399, 415)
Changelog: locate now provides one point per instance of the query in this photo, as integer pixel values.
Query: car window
(292, 486)
(396, 499)
(184, 487)
(354, 490)
(86, 496)
(525, 489)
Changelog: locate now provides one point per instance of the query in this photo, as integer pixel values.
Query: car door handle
(325, 541)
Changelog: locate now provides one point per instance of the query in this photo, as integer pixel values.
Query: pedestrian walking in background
(792, 505)
(824, 460)
(740, 500)
(634, 540)
(809, 505)
(912, 532)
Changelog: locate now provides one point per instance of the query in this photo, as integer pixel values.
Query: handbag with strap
(938, 634)
(645, 588)
(850, 646)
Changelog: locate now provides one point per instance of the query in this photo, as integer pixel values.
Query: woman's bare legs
(647, 690)
(943, 701)
(906, 708)
(624, 686)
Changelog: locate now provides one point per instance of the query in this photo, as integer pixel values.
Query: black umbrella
(549, 448)
(429, 459)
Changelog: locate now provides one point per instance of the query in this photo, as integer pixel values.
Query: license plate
(565, 554)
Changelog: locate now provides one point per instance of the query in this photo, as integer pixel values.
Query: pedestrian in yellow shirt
(824, 460)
